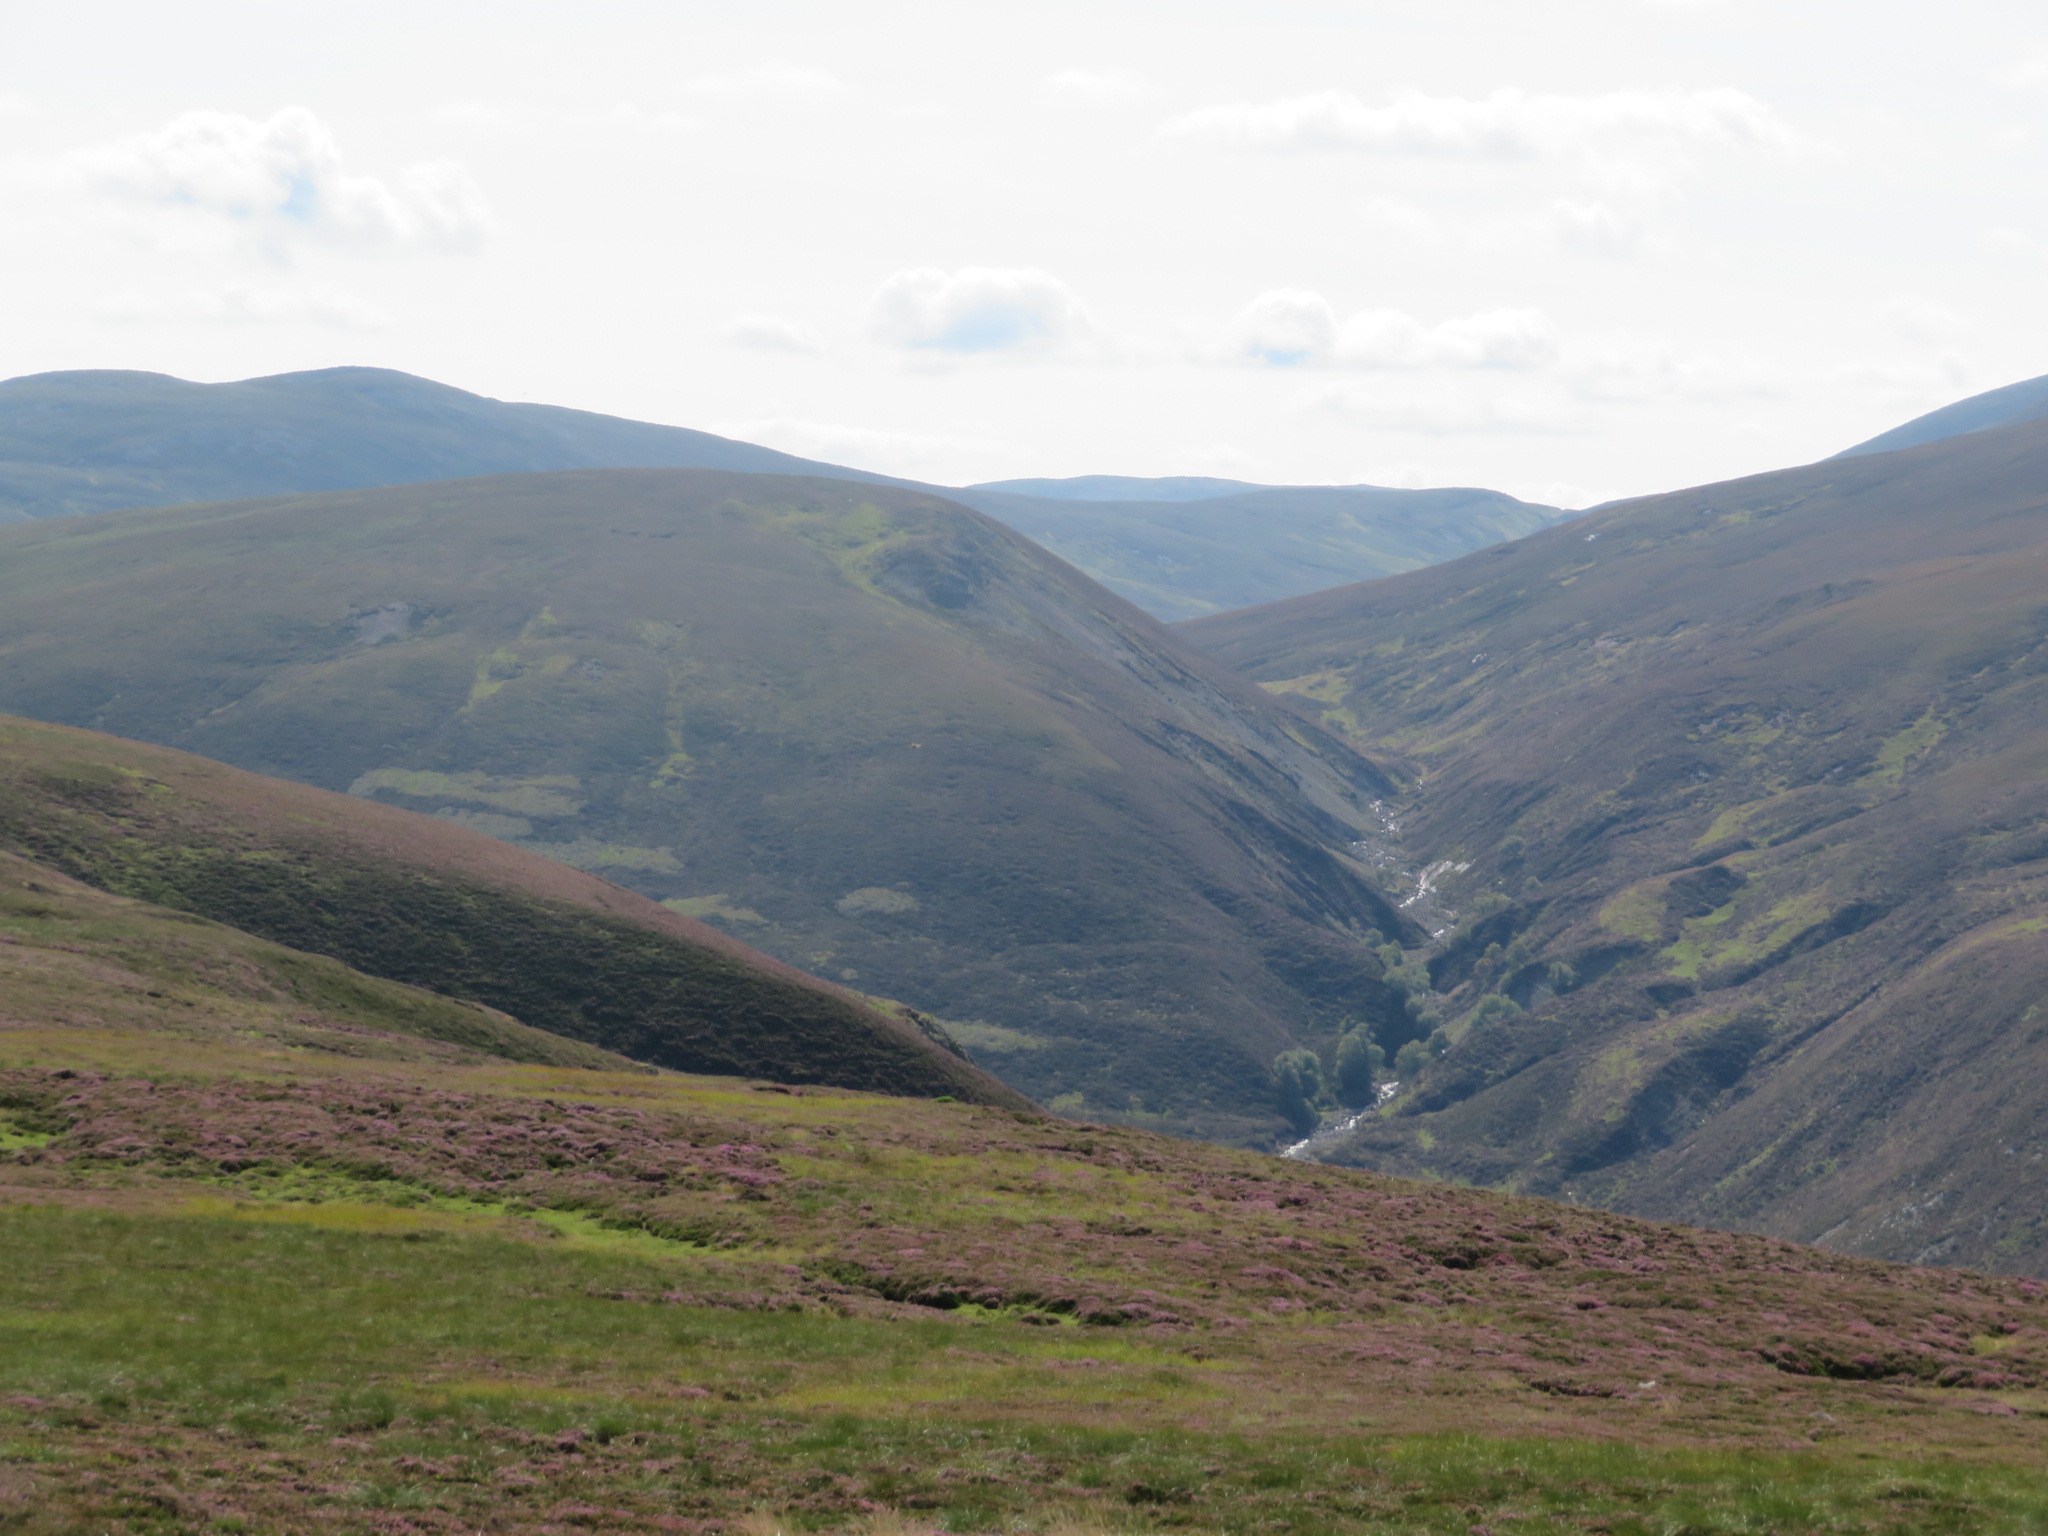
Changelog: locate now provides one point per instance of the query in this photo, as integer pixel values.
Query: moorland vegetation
(353, 1279)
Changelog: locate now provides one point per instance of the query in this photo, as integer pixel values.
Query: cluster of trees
(1304, 1090)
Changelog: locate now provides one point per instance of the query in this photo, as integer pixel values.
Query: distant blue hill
(1121, 488)
(1178, 547)
(2024, 401)
(1181, 552)
(96, 441)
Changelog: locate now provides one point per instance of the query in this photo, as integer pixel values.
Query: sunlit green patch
(715, 905)
(1717, 943)
(1898, 752)
(18, 1136)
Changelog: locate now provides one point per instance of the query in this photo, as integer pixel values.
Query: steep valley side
(1741, 794)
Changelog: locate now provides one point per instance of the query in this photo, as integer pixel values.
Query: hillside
(2024, 401)
(402, 898)
(1182, 548)
(865, 729)
(260, 1284)
(98, 440)
(1739, 794)
(74, 957)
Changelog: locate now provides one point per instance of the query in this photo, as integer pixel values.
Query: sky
(1573, 250)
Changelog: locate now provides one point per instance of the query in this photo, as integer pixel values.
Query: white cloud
(1923, 320)
(908, 454)
(1443, 407)
(1222, 461)
(977, 310)
(2028, 74)
(485, 117)
(1493, 338)
(209, 177)
(1539, 383)
(1633, 371)
(1404, 221)
(771, 333)
(1509, 124)
(1288, 328)
(776, 79)
(476, 114)
(1595, 228)
(1558, 493)
(1931, 382)
(240, 303)
(1293, 327)
(1099, 87)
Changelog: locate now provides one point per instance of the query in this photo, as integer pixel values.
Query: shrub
(1483, 907)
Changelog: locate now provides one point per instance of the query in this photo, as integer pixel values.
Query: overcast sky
(1572, 249)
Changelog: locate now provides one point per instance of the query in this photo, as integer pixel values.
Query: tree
(1410, 1059)
(1359, 1064)
(1494, 1006)
(1297, 1087)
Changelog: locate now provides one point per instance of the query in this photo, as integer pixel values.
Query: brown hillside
(1752, 781)
(436, 906)
(862, 728)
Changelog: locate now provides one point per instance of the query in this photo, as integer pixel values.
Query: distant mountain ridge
(101, 440)
(1182, 548)
(1120, 488)
(98, 441)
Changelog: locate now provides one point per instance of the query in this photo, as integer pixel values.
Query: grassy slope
(75, 956)
(869, 731)
(263, 1285)
(435, 906)
(1182, 559)
(96, 440)
(1763, 763)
